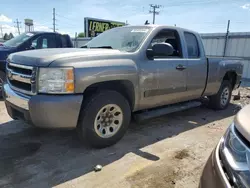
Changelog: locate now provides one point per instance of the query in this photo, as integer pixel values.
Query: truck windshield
(14, 42)
(120, 38)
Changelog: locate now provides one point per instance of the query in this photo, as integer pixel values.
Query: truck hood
(5, 51)
(242, 122)
(45, 57)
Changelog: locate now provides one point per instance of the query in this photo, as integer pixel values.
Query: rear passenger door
(49, 41)
(62, 41)
(196, 66)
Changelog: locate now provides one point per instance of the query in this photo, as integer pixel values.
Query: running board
(153, 113)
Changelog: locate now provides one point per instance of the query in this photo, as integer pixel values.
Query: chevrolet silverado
(141, 71)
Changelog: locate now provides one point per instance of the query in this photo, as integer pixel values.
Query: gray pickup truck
(144, 71)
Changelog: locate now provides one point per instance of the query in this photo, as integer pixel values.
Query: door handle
(181, 67)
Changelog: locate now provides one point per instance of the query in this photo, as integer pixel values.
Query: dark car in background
(229, 163)
(30, 41)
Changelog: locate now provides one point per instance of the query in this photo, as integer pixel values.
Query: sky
(204, 16)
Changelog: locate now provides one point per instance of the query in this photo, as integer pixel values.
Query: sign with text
(94, 26)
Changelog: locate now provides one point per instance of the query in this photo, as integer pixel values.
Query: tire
(2, 80)
(92, 124)
(217, 102)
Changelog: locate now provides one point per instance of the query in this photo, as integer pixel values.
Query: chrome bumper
(15, 98)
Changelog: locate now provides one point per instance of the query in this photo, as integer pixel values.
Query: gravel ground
(165, 152)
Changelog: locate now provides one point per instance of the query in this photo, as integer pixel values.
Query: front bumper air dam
(45, 111)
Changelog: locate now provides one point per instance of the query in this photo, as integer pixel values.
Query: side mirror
(162, 49)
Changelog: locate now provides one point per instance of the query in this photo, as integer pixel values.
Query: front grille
(21, 78)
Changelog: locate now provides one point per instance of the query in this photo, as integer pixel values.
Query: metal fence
(231, 45)
(79, 42)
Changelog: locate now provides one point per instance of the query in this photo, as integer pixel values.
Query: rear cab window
(192, 45)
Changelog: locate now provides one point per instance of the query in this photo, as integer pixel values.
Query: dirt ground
(165, 152)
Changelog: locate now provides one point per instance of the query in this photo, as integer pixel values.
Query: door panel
(163, 78)
(161, 83)
(196, 77)
(197, 67)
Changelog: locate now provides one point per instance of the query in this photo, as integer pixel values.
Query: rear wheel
(104, 119)
(221, 100)
(2, 80)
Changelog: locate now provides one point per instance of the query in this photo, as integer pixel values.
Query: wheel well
(124, 87)
(231, 76)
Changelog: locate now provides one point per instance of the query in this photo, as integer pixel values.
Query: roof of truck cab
(45, 32)
(162, 27)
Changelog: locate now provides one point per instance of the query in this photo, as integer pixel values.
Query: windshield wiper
(108, 47)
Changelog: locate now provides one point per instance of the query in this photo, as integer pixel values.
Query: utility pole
(154, 7)
(76, 40)
(226, 38)
(54, 19)
(17, 26)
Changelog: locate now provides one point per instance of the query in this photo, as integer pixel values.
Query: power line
(17, 25)
(65, 17)
(154, 11)
(68, 23)
(198, 2)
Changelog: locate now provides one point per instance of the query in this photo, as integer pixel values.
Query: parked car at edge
(140, 70)
(30, 41)
(229, 165)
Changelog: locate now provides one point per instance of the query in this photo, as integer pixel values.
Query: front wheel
(104, 119)
(222, 99)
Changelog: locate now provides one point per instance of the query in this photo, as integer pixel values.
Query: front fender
(111, 70)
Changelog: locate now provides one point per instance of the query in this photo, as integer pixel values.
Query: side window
(34, 44)
(192, 45)
(44, 41)
(171, 37)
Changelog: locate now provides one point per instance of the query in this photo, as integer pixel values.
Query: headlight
(235, 157)
(56, 80)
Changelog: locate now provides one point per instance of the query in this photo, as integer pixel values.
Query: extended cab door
(64, 41)
(163, 78)
(196, 65)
